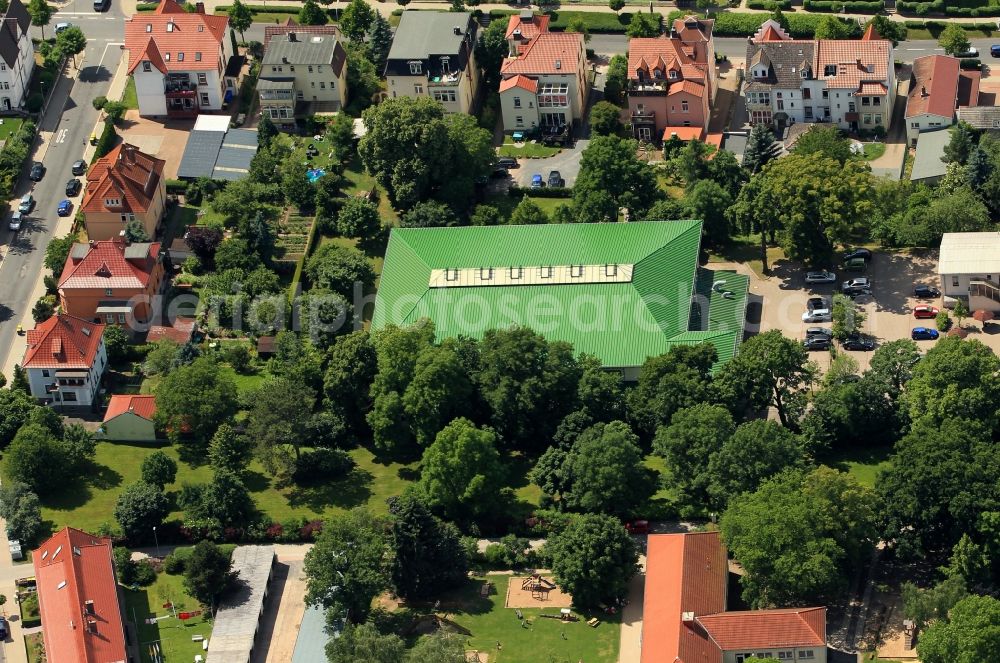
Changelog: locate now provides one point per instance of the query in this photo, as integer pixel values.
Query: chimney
(199, 7)
(923, 90)
(291, 36)
(687, 616)
(859, 63)
(458, 30)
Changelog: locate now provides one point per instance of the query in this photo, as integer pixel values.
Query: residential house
(685, 617)
(301, 75)
(969, 267)
(113, 281)
(129, 418)
(17, 56)
(122, 186)
(182, 63)
(433, 55)
(78, 599)
(983, 118)
(671, 80)
(848, 82)
(938, 87)
(544, 81)
(65, 360)
(290, 25)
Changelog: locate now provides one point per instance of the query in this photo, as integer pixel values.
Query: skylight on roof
(477, 277)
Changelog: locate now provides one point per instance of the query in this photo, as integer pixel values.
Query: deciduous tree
(603, 472)
(158, 469)
(141, 507)
(340, 269)
(528, 212)
(461, 472)
(193, 400)
(277, 422)
(357, 20)
(756, 451)
(207, 573)
(593, 559)
(240, 19)
(953, 39)
(22, 511)
(612, 176)
(680, 378)
(970, 634)
(694, 435)
(605, 119)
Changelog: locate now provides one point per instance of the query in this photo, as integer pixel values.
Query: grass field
(173, 635)
(9, 126)
(34, 645)
(526, 150)
(489, 622)
(863, 464)
(129, 97)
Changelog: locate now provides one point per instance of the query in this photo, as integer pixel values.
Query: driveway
(284, 608)
(164, 139)
(630, 647)
(567, 162)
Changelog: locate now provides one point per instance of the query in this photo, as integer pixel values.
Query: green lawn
(129, 97)
(173, 635)
(526, 150)
(506, 204)
(30, 615)
(872, 151)
(359, 180)
(489, 622)
(9, 126)
(863, 464)
(34, 644)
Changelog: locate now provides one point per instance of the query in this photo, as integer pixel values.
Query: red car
(637, 527)
(924, 311)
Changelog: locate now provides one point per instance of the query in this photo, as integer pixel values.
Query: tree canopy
(193, 400)
(593, 559)
(462, 474)
(612, 176)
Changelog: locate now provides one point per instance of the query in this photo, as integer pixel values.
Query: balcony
(643, 117)
(277, 95)
(648, 88)
(441, 78)
(180, 87)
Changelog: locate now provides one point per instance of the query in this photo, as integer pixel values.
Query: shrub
(174, 564)
(495, 554)
(145, 574)
(99, 102)
(942, 321)
(322, 465)
(35, 102)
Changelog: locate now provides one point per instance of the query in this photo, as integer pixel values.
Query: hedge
(769, 5)
(596, 22)
(936, 27)
(176, 186)
(12, 156)
(800, 26)
(516, 191)
(107, 140)
(973, 64)
(853, 6)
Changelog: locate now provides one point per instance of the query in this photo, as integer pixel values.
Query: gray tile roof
(981, 117)
(275, 84)
(785, 60)
(424, 33)
(927, 163)
(306, 49)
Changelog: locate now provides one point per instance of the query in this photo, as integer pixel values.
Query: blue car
(536, 181)
(995, 50)
(924, 334)
(65, 208)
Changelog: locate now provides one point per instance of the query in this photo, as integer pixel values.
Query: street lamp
(157, 540)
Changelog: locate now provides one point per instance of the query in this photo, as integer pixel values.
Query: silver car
(15, 221)
(821, 276)
(817, 315)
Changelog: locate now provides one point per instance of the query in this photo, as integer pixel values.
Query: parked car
(816, 302)
(819, 331)
(817, 315)
(925, 311)
(63, 26)
(37, 172)
(858, 342)
(15, 221)
(555, 179)
(924, 334)
(536, 181)
(857, 286)
(65, 208)
(995, 50)
(821, 276)
(73, 187)
(4, 628)
(817, 343)
(856, 265)
(101, 5)
(864, 254)
(972, 52)
(926, 292)
(80, 166)
(637, 527)
(27, 203)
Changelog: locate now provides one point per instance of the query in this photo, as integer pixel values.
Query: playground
(536, 591)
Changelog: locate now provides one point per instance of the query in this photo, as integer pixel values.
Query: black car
(818, 331)
(79, 167)
(815, 303)
(926, 292)
(858, 342)
(864, 254)
(555, 179)
(73, 187)
(4, 629)
(817, 343)
(37, 172)
(502, 162)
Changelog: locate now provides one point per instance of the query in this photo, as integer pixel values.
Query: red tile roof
(770, 30)
(519, 81)
(123, 174)
(78, 599)
(684, 133)
(161, 36)
(649, 53)
(529, 28)
(104, 265)
(968, 88)
(933, 86)
(871, 34)
(691, 28)
(142, 406)
(548, 53)
(765, 629)
(63, 342)
(690, 87)
(856, 61)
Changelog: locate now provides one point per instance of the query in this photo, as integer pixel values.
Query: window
(611, 270)
(291, 68)
(166, 56)
(418, 89)
(450, 274)
(485, 273)
(69, 396)
(331, 85)
(310, 69)
(830, 70)
(545, 272)
(299, 95)
(312, 83)
(180, 56)
(954, 282)
(777, 95)
(108, 292)
(672, 75)
(205, 101)
(826, 94)
(809, 112)
(866, 101)
(109, 318)
(449, 96)
(850, 107)
(416, 67)
(322, 85)
(552, 95)
(516, 272)
(806, 93)
(446, 65)
(121, 318)
(127, 217)
(112, 202)
(146, 66)
(684, 106)
(517, 102)
(576, 271)
(149, 27)
(805, 653)
(786, 655)
(876, 101)
(781, 105)
(202, 79)
(867, 118)
(197, 56)
(878, 119)
(914, 125)
(319, 69)
(45, 373)
(519, 120)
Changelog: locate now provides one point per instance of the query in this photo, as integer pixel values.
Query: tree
(440, 647)
(359, 218)
(593, 559)
(894, 31)
(612, 176)
(960, 311)
(616, 80)
(222, 502)
(643, 25)
(605, 117)
(141, 507)
(491, 49)
(756, 451)
(311, 14)
(230, 450)
(36, 458)
(22, 511)
(970, 633)
(357, 19)
(158, 469)
(616, 5)
(240, 19)
(847, 317)
(528, 212)
(429, 214)
(769, 371)
(348, 566)
(799, 536)
(933, 603)
(341, 269)
(397, 350)
(486, 215)
(44, 308)
(600, 391)
(41, 13)
(963, 137)
(280, 413)
(604, 472)
(694, 435)
(19, 381)
(117, 343)
(678, 379)
(953, 39)
(831, 27)
(364, 644)
(461, 472)
(207, 573)
(193, 400)
(826, 141)
(70, 43)
(380, 41)
(708, 201)
(957, 379)
(439, 391)
(428, 555)
(235, 253)
(203, 241)
(351, 368)
(56, 253)
(760, 149)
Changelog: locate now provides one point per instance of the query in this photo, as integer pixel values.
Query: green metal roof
(622, 323)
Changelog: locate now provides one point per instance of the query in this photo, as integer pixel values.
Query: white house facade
(969, 267)
(65, 360)
(17, 56)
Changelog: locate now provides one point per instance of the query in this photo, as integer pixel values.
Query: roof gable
(933, 86)
(760, 629)
(110, 263)
(143, 406)
(548, 53)
(124, 174)
(63, 341)
(172, 30)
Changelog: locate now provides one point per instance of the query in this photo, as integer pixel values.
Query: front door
(645, 134)
(6, 103)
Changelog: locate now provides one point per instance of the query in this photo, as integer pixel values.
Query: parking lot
(888, 311)
(567, 162)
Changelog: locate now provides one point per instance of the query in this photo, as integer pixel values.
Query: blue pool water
(314, 174)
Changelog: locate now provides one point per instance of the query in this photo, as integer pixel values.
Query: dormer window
(830, 70)
(201, 28)
(170, 26)
(112, 202)
(416, 67)
(149, 27)
(672, 74)
(804, 73)
(446, 65)
(166, 56)
(147, 66)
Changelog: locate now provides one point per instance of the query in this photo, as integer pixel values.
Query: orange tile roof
(691, 28)
(684, 133)
(545, 52)
(690, 87)
(142, 406)
(764, 629)
(649, 53)
(63, 342)
(519, 81)
(148, 37)
(856, 61)
(871, 34)
(770, 30)
(78, 599)
(529, 29)
(933, 86)
(179, 331)
(104, 265)
(124, 174)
